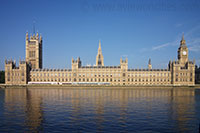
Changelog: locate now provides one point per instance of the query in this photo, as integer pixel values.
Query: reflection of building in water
(34, 111)
(180, 72)
(173, 104)
(14, 98)
(183, 107)
(28, 102)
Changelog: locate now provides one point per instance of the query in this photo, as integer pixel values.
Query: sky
(136, 29)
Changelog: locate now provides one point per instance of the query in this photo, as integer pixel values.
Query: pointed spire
(37, 36)
(149, 64)
(33, 35)
(183, 36)
(27, 35)
(40, 37)
(149, 61)
(99, 44)
(99, 57)
(182, 40)
(14, 61)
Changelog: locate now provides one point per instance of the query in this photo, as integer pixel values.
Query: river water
(100, 110)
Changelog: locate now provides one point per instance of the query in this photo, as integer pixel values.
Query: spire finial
(149, 61)
(183, 36)
(149, 65)
(99, 44)
(40, 37)
(183, 40)
(26, 35)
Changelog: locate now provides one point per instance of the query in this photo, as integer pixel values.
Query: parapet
(50, 70)
(101, 67)
(148, 69)
(13, 63)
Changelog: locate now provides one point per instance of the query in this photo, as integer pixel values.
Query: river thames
(100, 110)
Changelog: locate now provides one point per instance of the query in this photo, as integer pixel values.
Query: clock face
(184, 52)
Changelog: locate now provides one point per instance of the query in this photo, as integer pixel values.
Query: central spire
(99, 49)
(99, 57)
(99, 44)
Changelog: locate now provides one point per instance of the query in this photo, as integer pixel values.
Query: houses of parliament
(31, 71)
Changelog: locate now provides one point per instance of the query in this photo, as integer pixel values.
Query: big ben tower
(183, 52)
(99, 57)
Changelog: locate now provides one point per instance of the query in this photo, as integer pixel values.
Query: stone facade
(16, 75)
(180, 72)
(34, 51)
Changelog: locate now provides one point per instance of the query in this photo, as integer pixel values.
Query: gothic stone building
(180, 72)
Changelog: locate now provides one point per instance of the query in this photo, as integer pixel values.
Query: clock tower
(183, 52)
(183, 70)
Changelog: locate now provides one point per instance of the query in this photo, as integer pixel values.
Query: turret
(16, 74)
(27, 38)
(124, 63)
(149, 64)
(37, 36)
(76, 63)
(72, 60)
(170, 65)
(40, 37)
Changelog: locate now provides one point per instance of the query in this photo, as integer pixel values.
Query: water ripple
(99, 110)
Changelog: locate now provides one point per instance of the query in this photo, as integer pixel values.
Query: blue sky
(139, 30)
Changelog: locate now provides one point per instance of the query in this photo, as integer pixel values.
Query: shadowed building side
(197, 75)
